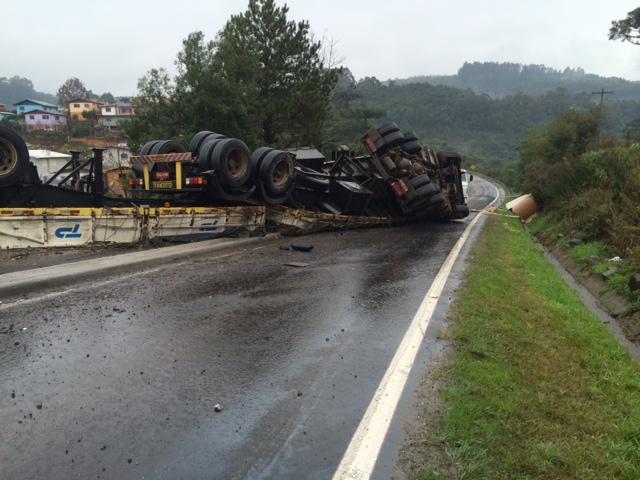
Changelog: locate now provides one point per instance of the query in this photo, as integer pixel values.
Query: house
(112, 114)
(43, 120)
(3, 107)
(48, 162)
(115, 109)
(4, 114)
(78, 107)
(29, 105)
(115, 156)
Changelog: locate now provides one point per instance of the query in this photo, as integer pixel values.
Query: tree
(627, 29)
(155, 114)
(107, 98)
(71, 89)
(92, 118)
(280, 68)
(206, 98)
(264, 79)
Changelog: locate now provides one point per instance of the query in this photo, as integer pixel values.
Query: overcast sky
(111, 43)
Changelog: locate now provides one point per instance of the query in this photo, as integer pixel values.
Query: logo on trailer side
(69, 232)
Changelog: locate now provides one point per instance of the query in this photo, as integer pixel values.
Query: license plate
(167, 184)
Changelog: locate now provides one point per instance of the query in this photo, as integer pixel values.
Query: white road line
(362, 453)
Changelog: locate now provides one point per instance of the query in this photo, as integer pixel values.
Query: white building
(48, 162)
(116, 156)
(112, 114)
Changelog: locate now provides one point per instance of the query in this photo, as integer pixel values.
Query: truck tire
(204, 154)
(427, 190)
(410, 136)
(14, 158)
(277, 172)
(436, 199)
(256, 159)
(231, 159)
(167, 146)
(419, 180)
(387, 128)
(393, 138)
(412, 147)
(198, 139)
(146, 148)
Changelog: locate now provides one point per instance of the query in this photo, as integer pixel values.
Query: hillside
(502, 79)
(17, 88)
(485, 130)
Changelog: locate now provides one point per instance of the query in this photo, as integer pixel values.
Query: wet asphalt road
(118, 378)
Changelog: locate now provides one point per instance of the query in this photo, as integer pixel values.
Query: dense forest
(502, 79)
(14, 89)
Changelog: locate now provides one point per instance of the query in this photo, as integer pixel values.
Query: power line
(602, 93)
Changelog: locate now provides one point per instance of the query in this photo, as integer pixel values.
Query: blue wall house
(30, 105)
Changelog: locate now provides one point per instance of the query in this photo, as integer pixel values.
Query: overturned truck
(397, 178)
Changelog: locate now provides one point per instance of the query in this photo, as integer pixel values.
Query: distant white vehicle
(466, 178)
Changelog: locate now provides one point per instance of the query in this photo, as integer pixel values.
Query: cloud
(109, 45)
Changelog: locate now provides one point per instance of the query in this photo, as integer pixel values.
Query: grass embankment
(593, 256)
(536, 388)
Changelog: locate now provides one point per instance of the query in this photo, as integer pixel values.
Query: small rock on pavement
(575, 242)
(634, 282)
(609, 273)
(218, 407)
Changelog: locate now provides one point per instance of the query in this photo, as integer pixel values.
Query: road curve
(119, 378)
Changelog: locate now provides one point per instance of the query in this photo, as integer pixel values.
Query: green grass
(537, 388)
(553, 228)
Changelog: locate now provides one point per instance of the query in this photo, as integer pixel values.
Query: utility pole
(602, 93)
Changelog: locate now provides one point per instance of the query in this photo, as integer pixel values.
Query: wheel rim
(8, 157)
(237, 163)
(281, 174)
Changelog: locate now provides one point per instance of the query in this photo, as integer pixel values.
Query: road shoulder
(533, 385)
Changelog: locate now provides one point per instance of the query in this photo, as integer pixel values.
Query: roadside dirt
(422, 445)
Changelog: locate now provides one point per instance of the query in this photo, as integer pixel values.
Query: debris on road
(218, 407)
(301, 247)
(297, 264)
(523, 206)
